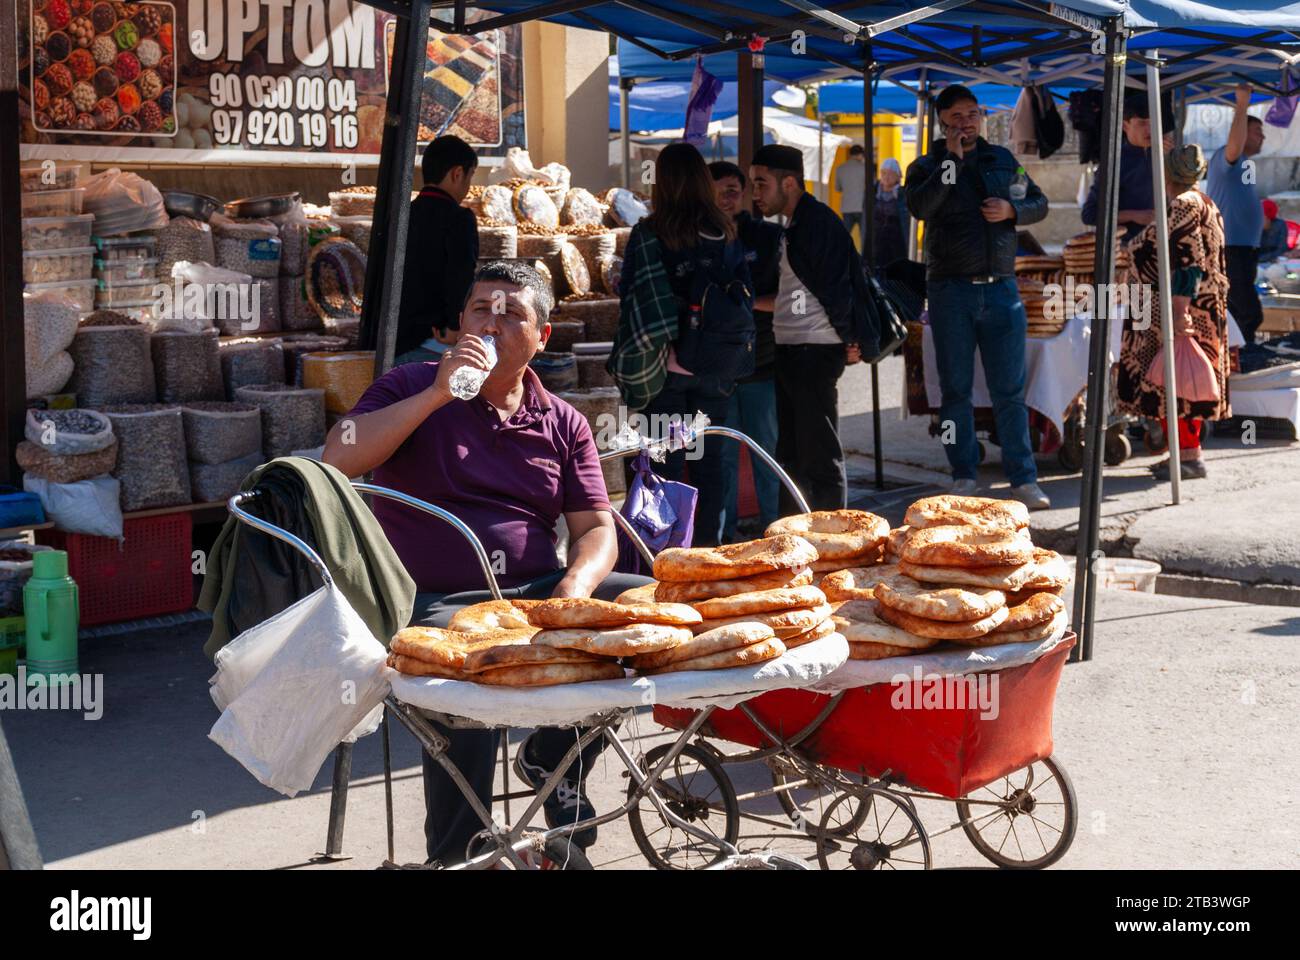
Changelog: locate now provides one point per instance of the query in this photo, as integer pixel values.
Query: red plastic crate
(147, 575)
(950, 751)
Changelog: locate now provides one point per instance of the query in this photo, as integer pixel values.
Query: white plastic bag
(123, 202)
(294, 687)
(209, 296)
(87, 506)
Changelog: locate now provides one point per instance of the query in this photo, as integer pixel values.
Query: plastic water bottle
(467, 381)
(1019, 184)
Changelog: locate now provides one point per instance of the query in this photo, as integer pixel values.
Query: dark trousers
(682, 397)
(990, 316)
(449, 822)
(1243, 298)
(808, 424)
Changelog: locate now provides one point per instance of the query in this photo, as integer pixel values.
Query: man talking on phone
(972, 196)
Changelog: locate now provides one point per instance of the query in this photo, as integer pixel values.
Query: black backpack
(1085, 117)
(1049, 128)
(716, 336)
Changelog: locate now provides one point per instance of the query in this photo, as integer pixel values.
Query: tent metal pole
(922, 112)
(1163, 280)
(869, 247)
(383, 285)
(13, 391)
(624, 131)
(1085, 585)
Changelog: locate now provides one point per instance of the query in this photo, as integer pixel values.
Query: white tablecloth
(1057, 369)
(566, 704)
(1282, 403)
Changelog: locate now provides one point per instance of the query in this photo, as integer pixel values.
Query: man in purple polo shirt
(509, 463)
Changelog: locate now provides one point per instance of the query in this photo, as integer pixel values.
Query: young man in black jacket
(962, 189)
(820, 322)
(753, 404)
(441, 252)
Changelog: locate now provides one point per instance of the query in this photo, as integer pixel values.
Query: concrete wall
(566, 99)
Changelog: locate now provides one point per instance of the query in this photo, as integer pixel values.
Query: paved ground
(1237, 524)
(1178, 736)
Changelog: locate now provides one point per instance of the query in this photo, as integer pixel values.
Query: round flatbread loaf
(448, 648)
(894, 542)
(1029, 635)
(858, 622)
(966, 546)
(518, 654)
(823, 629)
(749, 656)
(761, 601)
(1008, 578)
(837, 534)
(730, 637)
(561, 613)
(549, 674)
(939, 629)
(1050, 571)
(856, 583)
(938, 603)
(576, 274)
(785, 623)
(948, 510)
(420, 668)
(493, 615)
(616, 642)
(877, 651)
(748, 559)
(690, 591)
(637, 595)
(870, 558)
(1038, 609)
(1020, 596)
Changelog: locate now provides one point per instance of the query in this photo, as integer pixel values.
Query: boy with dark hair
(441, 252)
(820, 324)
(1136, 206)
(752, 407)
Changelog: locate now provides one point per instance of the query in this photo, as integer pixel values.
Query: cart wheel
(1118, 449)
(1070, 456)
(806, 806)
(696, 789)
(1154, 439)
(890, 838)
(1024, 821)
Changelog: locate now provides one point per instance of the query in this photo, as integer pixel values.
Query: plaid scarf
(647, 327)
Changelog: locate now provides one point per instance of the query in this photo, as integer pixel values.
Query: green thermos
(51, 607)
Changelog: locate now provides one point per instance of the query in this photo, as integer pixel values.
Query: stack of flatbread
(842, 538)
(1038, 268)
(1045, 313)
(966, 572)
(1080, 255)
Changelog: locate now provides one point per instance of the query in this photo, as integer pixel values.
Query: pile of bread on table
(961, 570)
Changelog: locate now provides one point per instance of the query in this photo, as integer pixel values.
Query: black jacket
(441, 254)
(959, 242)
(819, 249)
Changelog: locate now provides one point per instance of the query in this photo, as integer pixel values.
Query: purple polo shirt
(508, 480)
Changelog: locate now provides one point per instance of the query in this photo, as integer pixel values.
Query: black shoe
(567, 803)
(1187, 469)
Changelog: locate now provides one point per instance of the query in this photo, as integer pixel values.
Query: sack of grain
(186, 366)
(219, 431)
(111, 365)
(250, 361)
(151, 465)
(211, 482)
(65, 468)
(293, 418)
(68, 432)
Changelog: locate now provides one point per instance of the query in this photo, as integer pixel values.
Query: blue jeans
(851, 217)
(752, 412)
(963, 316)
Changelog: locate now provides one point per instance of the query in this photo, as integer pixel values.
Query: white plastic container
(142, 311)
(124, 271)
(59, 175)
(111, 295)
(50, 266)
(57, 233)
(80, 292)
(54, 203)
(138, 247)
(1128, 573)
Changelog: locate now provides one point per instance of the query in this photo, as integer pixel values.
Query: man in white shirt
(851, 181)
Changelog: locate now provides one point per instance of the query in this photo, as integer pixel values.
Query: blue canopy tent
(661, 104)
(1203, 50)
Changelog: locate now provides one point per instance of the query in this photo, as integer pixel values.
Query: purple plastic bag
(662, 512)
(1283, 108)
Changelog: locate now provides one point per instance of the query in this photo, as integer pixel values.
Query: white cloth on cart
(566, 704)
(948, 663)
(1056, 369)
(294, 686)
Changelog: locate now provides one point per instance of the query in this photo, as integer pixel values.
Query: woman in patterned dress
(1199, 284)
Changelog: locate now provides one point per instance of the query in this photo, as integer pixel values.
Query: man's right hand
(954, 144)
(470, 351)
(1242, 93)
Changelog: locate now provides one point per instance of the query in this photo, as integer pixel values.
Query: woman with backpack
(686, 330)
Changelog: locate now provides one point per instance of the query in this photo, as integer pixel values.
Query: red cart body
(948, 749)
